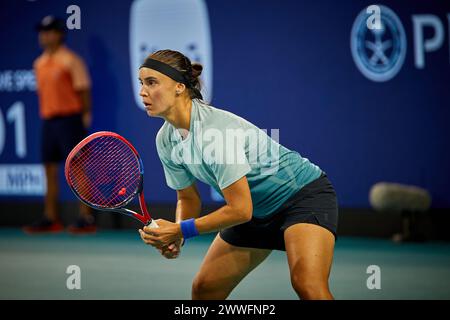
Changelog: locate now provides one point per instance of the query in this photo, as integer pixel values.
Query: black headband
(164, 68)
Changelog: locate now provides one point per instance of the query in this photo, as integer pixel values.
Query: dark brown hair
(191, 71)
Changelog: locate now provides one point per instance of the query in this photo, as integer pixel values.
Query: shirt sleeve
(177, 177)
(80, 74)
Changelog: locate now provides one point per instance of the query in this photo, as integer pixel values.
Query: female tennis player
(274, 198)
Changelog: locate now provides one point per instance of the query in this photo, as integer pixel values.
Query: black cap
(51, 23)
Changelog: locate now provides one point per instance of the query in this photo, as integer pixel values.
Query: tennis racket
(105, 172)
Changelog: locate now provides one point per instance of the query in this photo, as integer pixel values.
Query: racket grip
(152, 224)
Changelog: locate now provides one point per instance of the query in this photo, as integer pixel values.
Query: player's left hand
(172, 251)
(167, 233)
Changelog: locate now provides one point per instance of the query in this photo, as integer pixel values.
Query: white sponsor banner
(22, 180)
(181, 25)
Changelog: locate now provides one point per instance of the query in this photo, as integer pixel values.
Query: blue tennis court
(117, 265)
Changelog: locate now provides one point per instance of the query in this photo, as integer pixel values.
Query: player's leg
(50, 222)
(223, 267)
(309, 249)
(51, 197)
(50, 158)
(74, 132)
(85, 211)
(71, 134)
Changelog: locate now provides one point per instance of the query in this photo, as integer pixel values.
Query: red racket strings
(105, 172)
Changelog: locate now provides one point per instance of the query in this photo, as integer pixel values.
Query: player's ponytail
(197, 69)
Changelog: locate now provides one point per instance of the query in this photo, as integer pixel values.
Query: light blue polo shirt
(222, 147)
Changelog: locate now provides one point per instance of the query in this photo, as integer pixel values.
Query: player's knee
(206, 288)
(310, 288)
(201, 287)
(198, 285)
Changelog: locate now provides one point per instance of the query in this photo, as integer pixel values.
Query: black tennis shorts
(59, 136)
(315, 203)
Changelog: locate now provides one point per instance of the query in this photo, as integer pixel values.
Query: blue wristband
(188, 228)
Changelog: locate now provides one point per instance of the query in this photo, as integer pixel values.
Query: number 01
(16, 115)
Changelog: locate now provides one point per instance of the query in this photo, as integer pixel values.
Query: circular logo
(379, 51)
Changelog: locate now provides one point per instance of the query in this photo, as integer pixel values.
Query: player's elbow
(247, 214)
(244, 212)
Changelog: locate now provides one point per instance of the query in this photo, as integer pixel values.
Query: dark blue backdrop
(279, 64)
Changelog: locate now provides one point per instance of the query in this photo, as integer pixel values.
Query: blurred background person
(64, 90)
